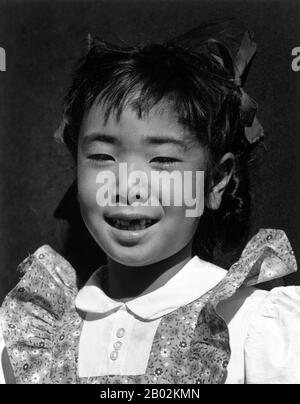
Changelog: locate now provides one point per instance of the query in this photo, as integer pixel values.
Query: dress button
(120, 332)
(117, 345)
(114, 355)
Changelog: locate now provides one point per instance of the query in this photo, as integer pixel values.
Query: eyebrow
(99, 137)
(160, 140)
(152, 140)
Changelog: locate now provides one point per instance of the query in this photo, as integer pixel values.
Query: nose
(133, 183)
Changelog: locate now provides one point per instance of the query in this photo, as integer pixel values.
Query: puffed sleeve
(272, 346)
(32, 312)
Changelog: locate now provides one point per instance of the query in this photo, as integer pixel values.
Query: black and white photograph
(149, 194)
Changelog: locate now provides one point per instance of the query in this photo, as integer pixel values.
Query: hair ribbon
(248, 108)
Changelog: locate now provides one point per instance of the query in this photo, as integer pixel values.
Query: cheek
(87, 190)
(185, 192)
(177, 225)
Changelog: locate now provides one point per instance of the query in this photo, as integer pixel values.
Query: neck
(126, 282)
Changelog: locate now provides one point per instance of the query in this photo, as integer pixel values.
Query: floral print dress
(42, 326)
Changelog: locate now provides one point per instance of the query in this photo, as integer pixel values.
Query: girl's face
(136, 235)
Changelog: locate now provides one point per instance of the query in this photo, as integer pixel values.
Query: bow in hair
(248, 108)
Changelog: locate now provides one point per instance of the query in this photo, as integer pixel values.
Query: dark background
(42, 40)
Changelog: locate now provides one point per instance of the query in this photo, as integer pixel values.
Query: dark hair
(201, 90)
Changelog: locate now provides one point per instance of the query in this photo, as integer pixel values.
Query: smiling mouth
(135, 224)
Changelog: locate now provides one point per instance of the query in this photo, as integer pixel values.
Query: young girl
(158, 311)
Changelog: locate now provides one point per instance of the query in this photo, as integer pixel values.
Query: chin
(131, 258)
(134, 256)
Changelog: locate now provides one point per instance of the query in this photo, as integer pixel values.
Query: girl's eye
(100, 157)
(166, 161)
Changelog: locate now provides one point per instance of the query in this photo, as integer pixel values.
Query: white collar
(194, 279)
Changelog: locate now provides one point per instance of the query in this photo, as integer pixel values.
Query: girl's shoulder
(46, 291)
(252, 304)
(265, 261)
(264, 326)
(46, 259)
(33, 310)
(45, 277)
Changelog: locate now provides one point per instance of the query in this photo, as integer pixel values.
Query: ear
(225, 170)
